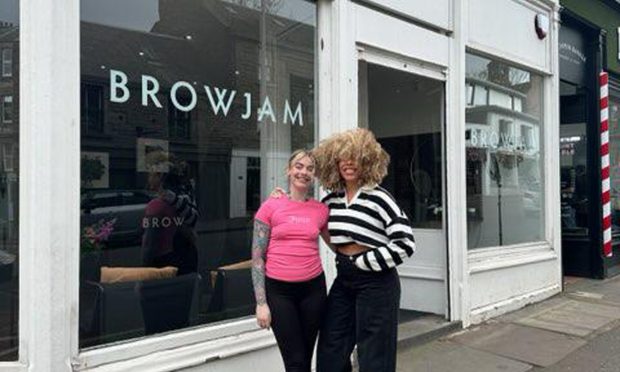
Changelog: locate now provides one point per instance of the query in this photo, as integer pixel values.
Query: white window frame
(7, 62)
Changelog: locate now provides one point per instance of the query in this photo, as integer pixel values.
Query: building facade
(116, 102)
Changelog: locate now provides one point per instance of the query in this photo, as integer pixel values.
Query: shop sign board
(573, 57)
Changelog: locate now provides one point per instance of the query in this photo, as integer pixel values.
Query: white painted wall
(265, 360)
(397, 36)
(506, 28)
(510, 284)
(437, 13)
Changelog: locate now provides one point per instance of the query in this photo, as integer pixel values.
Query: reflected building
(9, 135)
(504, 173)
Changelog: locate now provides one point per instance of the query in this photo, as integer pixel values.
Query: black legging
(296, 312)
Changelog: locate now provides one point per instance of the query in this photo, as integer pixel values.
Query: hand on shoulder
(277, 193)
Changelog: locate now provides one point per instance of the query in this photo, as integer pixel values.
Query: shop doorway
(405, 111)
(580, 157)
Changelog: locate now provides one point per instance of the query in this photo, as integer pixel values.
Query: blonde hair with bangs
(299, 154)
(296, 155)
(355, 144)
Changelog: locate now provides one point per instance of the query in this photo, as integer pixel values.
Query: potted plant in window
(92, 169)
(92, 239)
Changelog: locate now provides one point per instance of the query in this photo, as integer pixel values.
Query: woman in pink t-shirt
(289, 284)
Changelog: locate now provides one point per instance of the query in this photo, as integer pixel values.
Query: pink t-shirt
(293, 251)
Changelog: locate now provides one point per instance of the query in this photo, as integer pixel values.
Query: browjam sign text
(220, 100)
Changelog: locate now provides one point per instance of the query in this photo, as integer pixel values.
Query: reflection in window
(191, 109)
(469, 94)
(9, 183)
(412, 136)
(480, 95)
(504, 156)
(7, 109)
(614, 156)
(92, 108)
(500, 99)
(573, 160)
(179, 121)
(7, 62)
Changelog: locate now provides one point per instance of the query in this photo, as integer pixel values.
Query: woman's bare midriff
(352, 249)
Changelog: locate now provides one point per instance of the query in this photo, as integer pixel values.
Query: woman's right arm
(327, 239)
(260, 241)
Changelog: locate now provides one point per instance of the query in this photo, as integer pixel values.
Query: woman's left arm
(400, 245)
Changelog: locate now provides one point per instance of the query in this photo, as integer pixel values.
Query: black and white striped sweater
(371, 219)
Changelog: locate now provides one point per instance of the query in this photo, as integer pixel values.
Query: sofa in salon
(224, 252)
(131, 302)
(221, 289)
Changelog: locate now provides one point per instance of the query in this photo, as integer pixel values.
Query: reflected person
(169, 237)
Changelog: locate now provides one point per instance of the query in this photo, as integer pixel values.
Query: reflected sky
(141, 15)
(138, 15)
(9, 11)
(476, 66)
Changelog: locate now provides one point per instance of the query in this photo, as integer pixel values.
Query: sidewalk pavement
(577, 330)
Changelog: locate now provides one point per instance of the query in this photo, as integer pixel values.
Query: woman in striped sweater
(370, 235)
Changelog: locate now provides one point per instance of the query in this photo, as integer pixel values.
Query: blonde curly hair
(355, 144)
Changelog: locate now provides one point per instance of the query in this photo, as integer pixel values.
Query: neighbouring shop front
(586, 49)
(138, 139)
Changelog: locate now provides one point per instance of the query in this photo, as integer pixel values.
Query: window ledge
(177, 350)
(510, 256)
(13, 367)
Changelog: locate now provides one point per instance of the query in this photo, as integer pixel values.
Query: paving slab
(601, 354)
(445, 356)
(531, 309)
(573, 317)
(528, 344)
(608, 290)
(424, 329)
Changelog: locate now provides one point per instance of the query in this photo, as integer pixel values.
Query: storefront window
(190, 109)
(504, 154)
(9, 180)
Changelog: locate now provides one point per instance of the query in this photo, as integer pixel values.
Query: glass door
(405, 111)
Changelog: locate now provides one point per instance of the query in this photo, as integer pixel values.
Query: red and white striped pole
(606, 196)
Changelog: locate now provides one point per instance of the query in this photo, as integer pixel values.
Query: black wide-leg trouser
(297, 310)
(362, 310)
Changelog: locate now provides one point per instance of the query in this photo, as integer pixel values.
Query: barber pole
(606, 200)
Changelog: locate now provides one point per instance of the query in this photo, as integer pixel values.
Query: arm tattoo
(260, 240)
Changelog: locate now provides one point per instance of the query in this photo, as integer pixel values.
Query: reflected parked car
(126, 206)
